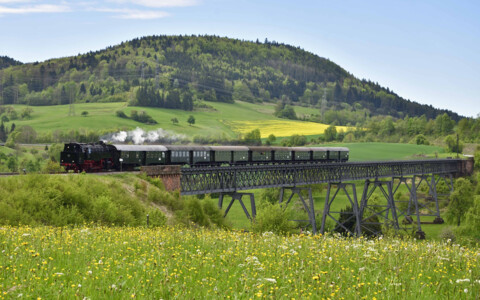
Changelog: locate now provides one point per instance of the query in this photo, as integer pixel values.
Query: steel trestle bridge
(368, 214)
(235, 178)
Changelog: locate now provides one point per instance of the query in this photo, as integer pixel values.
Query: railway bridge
(368, 214)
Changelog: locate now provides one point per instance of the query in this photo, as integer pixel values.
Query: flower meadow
(181, 263)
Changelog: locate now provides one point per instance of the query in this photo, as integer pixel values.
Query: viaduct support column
(340, 221)
(375, 214)
(238, 197)
(310, 209)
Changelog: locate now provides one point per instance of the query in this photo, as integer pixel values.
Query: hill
(6, 62)
(176, 71)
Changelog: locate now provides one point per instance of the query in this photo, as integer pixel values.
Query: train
(96, 157)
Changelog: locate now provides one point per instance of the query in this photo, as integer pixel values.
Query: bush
(447, 235)
(68, 200)
(121, 114)
(273, 218)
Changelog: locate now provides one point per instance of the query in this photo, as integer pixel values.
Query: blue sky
(425, 51)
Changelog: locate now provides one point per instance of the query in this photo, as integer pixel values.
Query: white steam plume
(140, 136)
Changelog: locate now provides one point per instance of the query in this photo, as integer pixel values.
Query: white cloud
(14, 1)
(125, 13)
(41, 8)
(159, 3)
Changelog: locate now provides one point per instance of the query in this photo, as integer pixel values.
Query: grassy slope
(389, 151)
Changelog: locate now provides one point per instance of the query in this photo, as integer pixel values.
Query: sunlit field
(174, 263)
(280, 128)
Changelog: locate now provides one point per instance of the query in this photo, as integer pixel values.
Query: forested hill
(174, 71)
(6, 62)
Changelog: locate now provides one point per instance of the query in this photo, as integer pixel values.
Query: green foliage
(271, 138)
(176, 70)
(294, 140)
(26, 113)
(174, 120)
(472, 219)
(420, 139)
(142, 117)
(452, 146)
(273, 218)
(253, 137)
(54, 152)
(476, 158)
(84, 113)
(12, 164)
(156, 218)
(285, 112)
(121, 114)
(330, 133)
(64, 200)
(448, 235)
(270, 195)
(201, 212)
(460, 201)
(191, 120)
(347, 219)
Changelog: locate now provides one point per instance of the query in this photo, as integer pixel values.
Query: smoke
(139, 136)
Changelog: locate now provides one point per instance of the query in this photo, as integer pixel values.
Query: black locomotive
(100, 156)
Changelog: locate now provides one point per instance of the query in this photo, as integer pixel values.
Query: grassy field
(228, 119)
(175, 263)
(389, 151)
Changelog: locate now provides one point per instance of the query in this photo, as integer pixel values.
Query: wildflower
(463, 280)
(272, 280)
(465, 291)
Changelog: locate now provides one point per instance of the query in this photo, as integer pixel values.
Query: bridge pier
(354, 215)
(412, 201)
(310, 209)
(432, 191)
(372, 223)
(238, 197)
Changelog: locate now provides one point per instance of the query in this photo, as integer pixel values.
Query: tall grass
(176, 263)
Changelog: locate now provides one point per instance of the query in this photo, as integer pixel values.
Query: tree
(3, 133)
(452, 146)
(253, 137)
(12, 163)
(84, 113)
(330, 133)
(191, 120)
(271, 138)
(460, 201)
(174, 120)
(26, 113)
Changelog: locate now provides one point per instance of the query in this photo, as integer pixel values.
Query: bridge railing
(235, 178)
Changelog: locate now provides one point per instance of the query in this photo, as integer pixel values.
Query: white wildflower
(463, 280)
(272, 280)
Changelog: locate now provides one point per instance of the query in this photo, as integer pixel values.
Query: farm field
(222, 119)
(179, 263)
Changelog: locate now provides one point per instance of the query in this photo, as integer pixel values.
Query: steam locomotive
(100, 156)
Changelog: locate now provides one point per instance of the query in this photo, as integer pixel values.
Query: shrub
(121, 114)
(447, 235)
(273, 218)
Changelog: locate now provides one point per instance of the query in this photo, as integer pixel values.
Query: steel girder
(234, 178)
